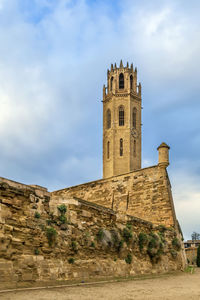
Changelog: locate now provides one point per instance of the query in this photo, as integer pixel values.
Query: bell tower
(121, 121)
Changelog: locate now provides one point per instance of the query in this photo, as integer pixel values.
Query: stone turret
(163, 155)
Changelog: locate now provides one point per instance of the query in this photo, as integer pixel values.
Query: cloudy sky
(54, 55)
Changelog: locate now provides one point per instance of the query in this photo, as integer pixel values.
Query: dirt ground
(182, 286)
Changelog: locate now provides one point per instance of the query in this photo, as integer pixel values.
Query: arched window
(121, 81)
(134, 117)
(121, 147)
(108, 149)
(111, 83)
(134, 148)
(108, 118)
(121, 116)
(131, 82)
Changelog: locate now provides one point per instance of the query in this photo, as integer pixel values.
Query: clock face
(134, 133)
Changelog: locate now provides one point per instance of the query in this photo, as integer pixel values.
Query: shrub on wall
(100, 234)
(127, 235)
(71, 260)
(162, 228)
(62, 209)
(129, 259)
(74, 246)
(120, 245)
(62, 219)
(155, 247)
(37, 215)
(36, 252)
(198, 257)
(51, 235)
(142, 240)
(176, 244)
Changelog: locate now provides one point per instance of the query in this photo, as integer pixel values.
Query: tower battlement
(122, 79)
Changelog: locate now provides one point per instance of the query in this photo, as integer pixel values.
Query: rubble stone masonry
(45, 240)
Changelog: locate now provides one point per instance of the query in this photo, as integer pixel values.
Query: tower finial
(132, 67)
(111, 67)
(115, 66)
(135, 70)
(127, 64)
(121, 64)
(139, 89)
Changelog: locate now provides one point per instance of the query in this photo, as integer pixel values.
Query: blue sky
(54, 56)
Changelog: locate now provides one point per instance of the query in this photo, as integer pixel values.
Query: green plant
(62, 219)
(120, 245)
(71, 260)
(92, 245)
(152, 243)
(198, 257)
(62, 209)
(162, 228)
(142, 240)
(189, 269)
(115, 237)
(129, 226)
(37, 215)
(46, 199)
(100, 234)
(155, 247)
(115, 259)
(127, 235)
(128, 259)
(176, 244)
(74, 246)
(48, 221)
(36, 252)
(51, 235)
(162, 238)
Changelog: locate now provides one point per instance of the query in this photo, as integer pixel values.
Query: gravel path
(182, 286)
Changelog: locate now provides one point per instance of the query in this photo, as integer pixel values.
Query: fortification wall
(144, 193)
(39, 242)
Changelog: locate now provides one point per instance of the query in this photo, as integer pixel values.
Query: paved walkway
(182, 286)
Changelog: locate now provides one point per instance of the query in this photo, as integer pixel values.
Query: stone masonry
(89, 240)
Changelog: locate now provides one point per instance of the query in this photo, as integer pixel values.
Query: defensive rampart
(76, 239)
(145, 193)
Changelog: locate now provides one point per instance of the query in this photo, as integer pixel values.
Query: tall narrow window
(121, 147)
(134, 148)
(111, 84)
(108, 149)
(121, 81)
(121, 116)
(131, 82)
(108, 118)
(134, 117)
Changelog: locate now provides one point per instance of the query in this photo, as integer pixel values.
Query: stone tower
(121, 121)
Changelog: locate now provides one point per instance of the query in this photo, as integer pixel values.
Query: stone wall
(39, 241)
(144, 193)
